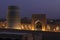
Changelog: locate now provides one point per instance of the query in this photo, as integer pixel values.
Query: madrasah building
(38, 22)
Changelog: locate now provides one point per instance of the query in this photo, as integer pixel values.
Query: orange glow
(43, 29)
(22, 26)
(48, 28)
(17, 26)
(32, 28)
(57, 28)
(54, 29)
(6, 27)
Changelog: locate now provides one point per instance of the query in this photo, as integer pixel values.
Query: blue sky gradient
(29, 7)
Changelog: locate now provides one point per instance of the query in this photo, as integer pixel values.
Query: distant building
(16, 28)
(38, 22)
(13, 19)
(53, 25)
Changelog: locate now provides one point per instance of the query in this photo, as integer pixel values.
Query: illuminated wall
(23, 26)
(38, 22)
(26, 27)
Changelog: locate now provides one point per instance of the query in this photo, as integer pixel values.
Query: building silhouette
(13, 19)
(38, 22)
(36, 28)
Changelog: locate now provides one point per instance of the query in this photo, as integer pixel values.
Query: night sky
(28, 7)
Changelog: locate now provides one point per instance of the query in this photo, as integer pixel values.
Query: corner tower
(13, 19)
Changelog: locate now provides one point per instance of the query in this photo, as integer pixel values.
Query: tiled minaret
(13, 19)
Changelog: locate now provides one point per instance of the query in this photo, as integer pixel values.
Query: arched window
(38, 26)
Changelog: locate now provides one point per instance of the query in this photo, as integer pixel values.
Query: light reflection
(43, 29)
(57, 28)
(22, 27)
(48, 27)
(32, 28)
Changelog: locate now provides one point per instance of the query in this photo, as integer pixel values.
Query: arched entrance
(38, 25)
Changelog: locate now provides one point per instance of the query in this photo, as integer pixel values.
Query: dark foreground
(10, 34)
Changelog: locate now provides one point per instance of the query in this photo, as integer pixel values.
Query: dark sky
(28, 7)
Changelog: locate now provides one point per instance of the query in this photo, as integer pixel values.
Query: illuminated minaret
(13, 19)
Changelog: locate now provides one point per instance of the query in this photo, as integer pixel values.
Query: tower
(13, 19)
(39, 21)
